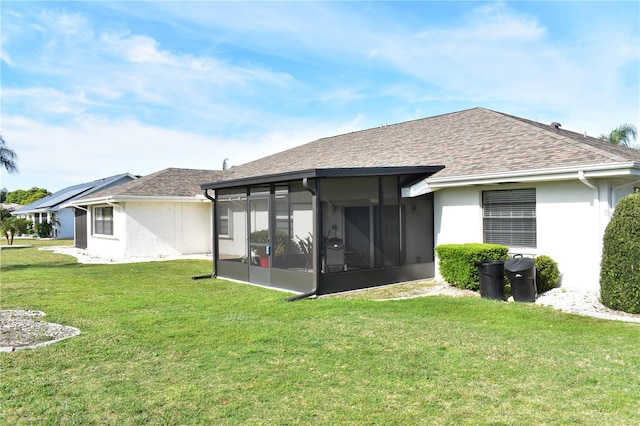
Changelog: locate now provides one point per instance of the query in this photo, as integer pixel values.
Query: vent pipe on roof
(555, 125)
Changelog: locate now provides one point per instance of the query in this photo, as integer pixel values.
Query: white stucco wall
(156, 229)
(66, 218)
(571, 219)
(235, 246)
(108, 246)
(164, 229)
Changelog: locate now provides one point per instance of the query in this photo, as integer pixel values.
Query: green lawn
(160, 348)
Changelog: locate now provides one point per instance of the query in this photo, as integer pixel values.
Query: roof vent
(555, 125)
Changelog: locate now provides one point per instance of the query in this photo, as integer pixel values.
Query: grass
(159, 348)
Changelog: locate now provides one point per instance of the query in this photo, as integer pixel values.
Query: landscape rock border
(20, 329)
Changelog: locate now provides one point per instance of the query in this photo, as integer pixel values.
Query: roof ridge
(590, 143)
(401, 123)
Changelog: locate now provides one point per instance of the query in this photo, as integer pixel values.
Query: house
(158, 215)
(51, 207)
(367, 208)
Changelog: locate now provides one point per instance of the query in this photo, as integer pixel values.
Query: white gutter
(142, 199)
(111, 203)
(432, 184)
(76, 207)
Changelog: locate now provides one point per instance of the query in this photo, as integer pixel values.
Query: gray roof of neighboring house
(54, 201)
(476, 141)
(10, 206)
(171, 182)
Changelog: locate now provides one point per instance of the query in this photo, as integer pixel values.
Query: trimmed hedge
(547, 273)
(620, 267)
(458, 262)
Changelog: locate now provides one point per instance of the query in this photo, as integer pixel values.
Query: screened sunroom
(324, 230)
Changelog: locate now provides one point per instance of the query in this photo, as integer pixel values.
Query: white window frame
(98, 215)
(509, 217)
(224, 205)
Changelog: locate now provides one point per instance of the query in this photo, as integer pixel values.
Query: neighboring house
(10, 207)
(367, 208)
(158, 215)
(50, 207)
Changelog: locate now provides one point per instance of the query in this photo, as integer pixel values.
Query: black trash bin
(491, 279)
(521, 272)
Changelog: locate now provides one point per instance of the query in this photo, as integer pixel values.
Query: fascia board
(137, 198)
(542, 175)
(626, 169)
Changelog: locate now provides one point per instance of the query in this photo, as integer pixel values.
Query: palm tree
(7, 157)
(621, 135)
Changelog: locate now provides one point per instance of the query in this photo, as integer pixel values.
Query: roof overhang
(135, 198)
(629, 170)
(421, 171)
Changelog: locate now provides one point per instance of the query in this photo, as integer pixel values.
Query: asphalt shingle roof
(171, 182)
(470, 142)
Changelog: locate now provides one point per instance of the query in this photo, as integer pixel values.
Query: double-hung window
(509, 217)
(224, 228)
(103, 220)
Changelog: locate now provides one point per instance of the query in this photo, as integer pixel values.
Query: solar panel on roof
(67, 195)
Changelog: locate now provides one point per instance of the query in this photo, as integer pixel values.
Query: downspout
(596, 193)
(316, 232)
(584, 180)
(111, 203)
(214, 243)
(596, 202)
(305, 185)
(79, 208)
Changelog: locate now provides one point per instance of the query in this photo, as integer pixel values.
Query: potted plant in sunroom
(259, 253)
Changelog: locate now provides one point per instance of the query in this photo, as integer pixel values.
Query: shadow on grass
(31, 266)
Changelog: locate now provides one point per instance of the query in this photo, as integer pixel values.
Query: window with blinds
(103, 220)
(509, 217)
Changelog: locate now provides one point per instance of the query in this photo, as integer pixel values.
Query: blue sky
(93, 89)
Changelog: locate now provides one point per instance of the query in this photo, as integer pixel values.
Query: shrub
(458, 262)
(44, 229)
(620, 267)
(547, 273)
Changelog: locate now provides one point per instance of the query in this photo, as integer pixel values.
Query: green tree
(13, 226)
(8, 157)
(20, 196)
(621, 135)
(3, 194)
(4, 214)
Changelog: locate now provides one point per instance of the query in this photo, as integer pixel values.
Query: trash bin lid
(519, 264)
(483, 263)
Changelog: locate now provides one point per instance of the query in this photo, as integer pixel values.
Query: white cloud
(498, 56)
(121, 72)
(494, 21)
(93, 147)
(340, 58)
(47, 99)
(137, 48)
